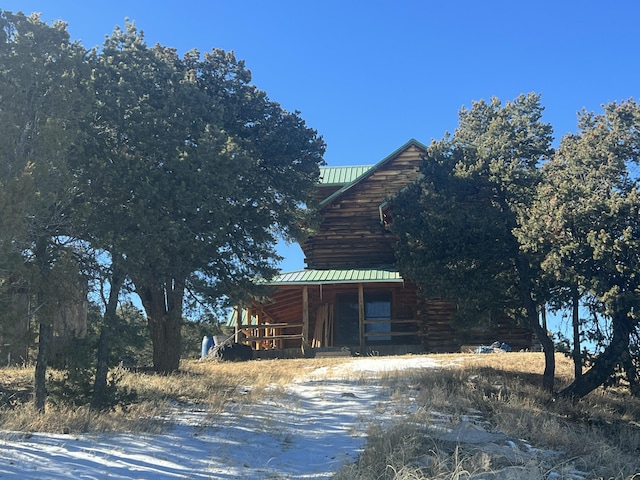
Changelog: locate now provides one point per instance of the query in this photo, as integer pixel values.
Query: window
(377, 312)
(386, 219)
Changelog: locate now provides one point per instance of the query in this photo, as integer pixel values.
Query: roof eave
(331, 282)
(335, 277)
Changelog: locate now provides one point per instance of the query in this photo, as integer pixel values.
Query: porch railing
(269, 332)
(272, 335)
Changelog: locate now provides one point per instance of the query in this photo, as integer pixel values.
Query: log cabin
(350, 299)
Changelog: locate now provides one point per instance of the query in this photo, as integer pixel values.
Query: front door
(347, 325)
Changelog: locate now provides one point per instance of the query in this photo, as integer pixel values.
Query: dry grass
(211, 385)
(601, 434)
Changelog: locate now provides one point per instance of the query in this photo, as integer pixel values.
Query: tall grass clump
(406, 452)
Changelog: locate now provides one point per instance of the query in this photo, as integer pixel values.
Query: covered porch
(355, 311)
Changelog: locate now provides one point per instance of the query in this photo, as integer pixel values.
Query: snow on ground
(308, 433)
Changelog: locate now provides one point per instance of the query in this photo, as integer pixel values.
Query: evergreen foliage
(504, 224)
(174, 173)
(175, 176)
(456, 225)
(197, 174)
(585, 224)
(43, 76)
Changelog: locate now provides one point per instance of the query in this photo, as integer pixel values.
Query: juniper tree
(585, 222)
(456, 224)
(194, 175)
(43, 94)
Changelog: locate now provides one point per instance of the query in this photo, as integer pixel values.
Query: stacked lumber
(323, 332)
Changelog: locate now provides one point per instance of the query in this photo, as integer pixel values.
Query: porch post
(361, 314)
(305, 316)
(258, 332)
(238, 320)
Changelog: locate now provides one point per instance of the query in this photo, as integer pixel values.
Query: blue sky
(370, 75)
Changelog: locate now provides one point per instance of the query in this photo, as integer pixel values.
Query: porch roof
(316, 277)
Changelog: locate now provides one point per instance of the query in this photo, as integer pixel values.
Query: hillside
(321, 417)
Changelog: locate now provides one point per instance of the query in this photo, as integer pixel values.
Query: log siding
(351, 234)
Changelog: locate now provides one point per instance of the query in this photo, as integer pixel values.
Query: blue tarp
(493, 347)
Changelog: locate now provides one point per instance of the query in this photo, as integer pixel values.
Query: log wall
(351, 234)
(415, 321)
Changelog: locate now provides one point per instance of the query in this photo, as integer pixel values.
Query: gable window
(386, 219)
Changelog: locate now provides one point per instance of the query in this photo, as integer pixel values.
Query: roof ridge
(348, 166)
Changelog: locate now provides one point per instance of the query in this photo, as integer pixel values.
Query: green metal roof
(341, 175)
(316, 277)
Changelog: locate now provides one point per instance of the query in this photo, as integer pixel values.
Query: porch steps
(332, 352)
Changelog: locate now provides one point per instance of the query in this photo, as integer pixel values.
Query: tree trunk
(605, 363)
(525, 287)
(102, 370)
(45, 323)
(631, 372)
(167, 343)
(577, 358)
(524, 274)
(44, 343)
(548, 376)
(102, 357)
(163, 306)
